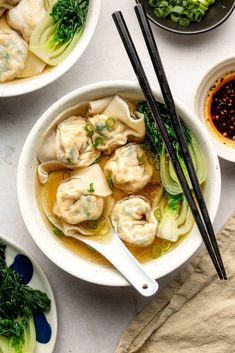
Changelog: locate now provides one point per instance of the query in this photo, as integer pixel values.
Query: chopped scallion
(110, 122)
(98, 141)
(182, 12)
(165, 244)
(156, 251)
(157, 214)
(89, 129)
(91, 188)
(110, 182)
(58, 232)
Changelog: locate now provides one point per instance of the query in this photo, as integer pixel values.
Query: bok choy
(174, 216)
(18, 304)
(59, 30)
(168, 176)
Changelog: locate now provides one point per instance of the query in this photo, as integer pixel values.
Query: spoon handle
(129, 267)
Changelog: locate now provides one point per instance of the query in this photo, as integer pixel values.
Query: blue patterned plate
(45, 325)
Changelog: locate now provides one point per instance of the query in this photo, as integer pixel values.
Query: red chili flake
(222, 109)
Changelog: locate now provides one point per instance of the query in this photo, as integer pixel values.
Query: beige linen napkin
(195, 313)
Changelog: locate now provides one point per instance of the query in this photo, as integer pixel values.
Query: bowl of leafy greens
(28, 317)
(44, 172)
(188, 16)
(47, 41)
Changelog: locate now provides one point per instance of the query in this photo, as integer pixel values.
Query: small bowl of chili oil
(215, 106)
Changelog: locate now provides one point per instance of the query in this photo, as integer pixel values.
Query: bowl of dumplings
(42, 39)
(95, 163)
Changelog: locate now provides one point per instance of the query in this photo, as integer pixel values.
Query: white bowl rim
(31, 84)
(224, 151)
(115, 279)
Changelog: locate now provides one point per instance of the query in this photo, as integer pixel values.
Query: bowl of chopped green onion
(188, 16)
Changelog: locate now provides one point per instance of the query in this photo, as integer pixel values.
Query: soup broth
(47, 193)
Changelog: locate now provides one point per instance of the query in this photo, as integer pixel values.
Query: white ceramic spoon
(120, 257)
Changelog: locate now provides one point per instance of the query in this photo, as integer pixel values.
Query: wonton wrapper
(50, 147)
(51, 153)
(7, 5)
(13, 52)
(129, 168)
(80, 182)
(127, 123)
(134, 222)
(33, 66)
(26, 16)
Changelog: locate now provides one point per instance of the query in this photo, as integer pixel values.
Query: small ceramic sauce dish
(215, 106)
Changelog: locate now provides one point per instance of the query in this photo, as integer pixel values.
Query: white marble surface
(91, 318)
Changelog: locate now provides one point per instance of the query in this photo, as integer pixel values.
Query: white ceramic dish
(38, 281)
(51, 246)
(227, 65)
(22, 86)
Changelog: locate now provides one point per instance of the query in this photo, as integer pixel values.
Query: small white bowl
(54, 248)
(22, 86)
(223, 149)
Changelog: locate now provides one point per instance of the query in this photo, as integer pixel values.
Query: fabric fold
(194, 313)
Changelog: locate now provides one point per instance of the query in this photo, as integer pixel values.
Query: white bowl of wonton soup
(37, 68)
(113, 170)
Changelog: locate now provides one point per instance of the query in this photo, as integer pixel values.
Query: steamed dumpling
(69, 144)
(75, 204)
(74, 145)
(129, 168)
(113, 123)
(13, 54)
(84, 197)
(6, 5)
(134, 222)
(25, 16)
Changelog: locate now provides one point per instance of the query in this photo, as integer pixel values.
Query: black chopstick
(170, 105)
(146, 89)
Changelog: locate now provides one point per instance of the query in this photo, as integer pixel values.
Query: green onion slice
(157, 163)
(157, 214)
(165, 244)
(153, 3)
(110, 182)
(58, 232)
(98, 141)
(156, 251)
(110, 122)
(89, 129)
(91, 188)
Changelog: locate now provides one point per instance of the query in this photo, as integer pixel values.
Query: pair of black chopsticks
(204, 225)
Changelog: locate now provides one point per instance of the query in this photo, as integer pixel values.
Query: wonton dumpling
(68, 144)
(134, 222)
(113, 123)
(25, 16)
(13, 53)
(129, 168)
(74, 145)
(7, 4)
(84, 197)
(74, 204)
